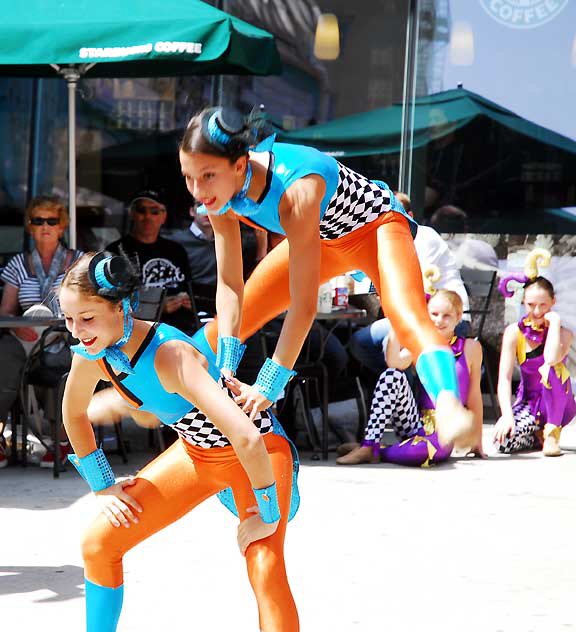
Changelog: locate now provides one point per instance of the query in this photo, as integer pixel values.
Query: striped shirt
(18, 273)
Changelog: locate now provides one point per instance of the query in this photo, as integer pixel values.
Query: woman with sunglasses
(31, 278)
(334, 220)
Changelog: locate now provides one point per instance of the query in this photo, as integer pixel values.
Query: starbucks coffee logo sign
(523, 14)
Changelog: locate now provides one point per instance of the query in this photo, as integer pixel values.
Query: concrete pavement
(470, 545)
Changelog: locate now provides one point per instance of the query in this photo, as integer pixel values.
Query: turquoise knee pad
(103, 606)
(436, 369)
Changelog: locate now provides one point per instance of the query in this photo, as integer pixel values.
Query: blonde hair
(49, 203)
(453, 298)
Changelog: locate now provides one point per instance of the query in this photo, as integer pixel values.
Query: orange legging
(383, 250)
(173, 484)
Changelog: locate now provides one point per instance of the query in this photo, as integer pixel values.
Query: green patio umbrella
(477, 153)
(435, 116)
(126, 38)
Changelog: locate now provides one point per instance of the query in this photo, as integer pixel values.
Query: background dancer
(157, 368)
(334, 220)
(413, 419)
(544, 401)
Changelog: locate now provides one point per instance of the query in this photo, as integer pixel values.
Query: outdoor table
(9, 322)
(335, 317)
(349, 313)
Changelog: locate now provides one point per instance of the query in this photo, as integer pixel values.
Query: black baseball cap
(148, 194)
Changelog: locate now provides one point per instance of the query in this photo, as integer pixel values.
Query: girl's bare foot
(362, 454)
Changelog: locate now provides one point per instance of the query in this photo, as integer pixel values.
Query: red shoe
(48, 458)
(3, 457)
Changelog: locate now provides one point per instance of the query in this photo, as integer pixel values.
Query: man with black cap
(164, 263)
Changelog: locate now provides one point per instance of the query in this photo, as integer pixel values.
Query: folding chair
(151, 303)
(480, 285)
(37, 373)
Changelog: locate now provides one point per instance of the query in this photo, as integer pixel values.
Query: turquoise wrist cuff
(272, 379)
(436, 369)
(94, 469)
(229, 353)
(267, 500)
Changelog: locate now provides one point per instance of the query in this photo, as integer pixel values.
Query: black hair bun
(231, 122)
(120, 271)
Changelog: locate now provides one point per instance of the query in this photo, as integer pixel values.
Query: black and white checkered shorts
(356, 202)
(197, 429)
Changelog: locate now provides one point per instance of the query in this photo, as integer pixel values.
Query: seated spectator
(31, 278)
(164, 263)
(413, 420)
(449, 219)
(468, 251)
(544, 401)
(198, 241)
(367, 343)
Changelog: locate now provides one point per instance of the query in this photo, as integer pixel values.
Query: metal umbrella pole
(72, 75)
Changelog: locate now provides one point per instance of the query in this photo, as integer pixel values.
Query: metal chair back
(151, 303)
(480, 285)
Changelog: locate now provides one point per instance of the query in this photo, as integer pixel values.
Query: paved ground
(472, 545)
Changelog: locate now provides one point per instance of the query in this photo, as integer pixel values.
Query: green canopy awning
(126, 38)
(435, 116)
(131, 38)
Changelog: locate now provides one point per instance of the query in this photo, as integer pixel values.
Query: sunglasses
(39, 221)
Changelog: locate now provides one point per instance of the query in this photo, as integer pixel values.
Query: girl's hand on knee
(118, 506)
(253, 528)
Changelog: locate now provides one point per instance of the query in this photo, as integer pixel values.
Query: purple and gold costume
(413, 420)
(544, 395)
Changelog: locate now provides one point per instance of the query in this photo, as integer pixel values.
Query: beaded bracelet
(229, 353)
(272, 379)
(94, 469)
(267, 500)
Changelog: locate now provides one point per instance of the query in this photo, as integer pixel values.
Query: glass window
(494, 132)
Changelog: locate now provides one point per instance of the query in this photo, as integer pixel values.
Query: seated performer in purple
(544, 401)
(413, 419)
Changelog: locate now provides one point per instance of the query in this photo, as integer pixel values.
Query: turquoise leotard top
(350, 201)
(143, 386)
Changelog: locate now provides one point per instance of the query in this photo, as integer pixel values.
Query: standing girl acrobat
(158, 369)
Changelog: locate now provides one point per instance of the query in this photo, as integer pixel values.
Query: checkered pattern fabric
(197, 429)
(356, 202)
(393, 402)
(525, 427)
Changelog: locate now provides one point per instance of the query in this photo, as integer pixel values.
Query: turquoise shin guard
(103, 606)
(436, 369)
